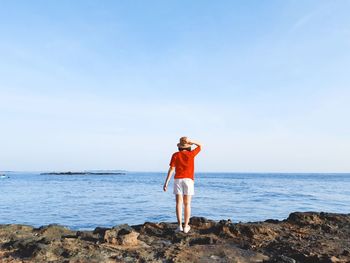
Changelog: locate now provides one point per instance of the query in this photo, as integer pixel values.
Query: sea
(83, 202)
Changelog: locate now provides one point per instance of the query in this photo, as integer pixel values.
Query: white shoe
(187, 229)
(179, 229)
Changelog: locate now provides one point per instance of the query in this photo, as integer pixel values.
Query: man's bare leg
(187, 204)
(179, 209)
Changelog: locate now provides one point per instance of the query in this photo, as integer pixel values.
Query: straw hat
(183, 143)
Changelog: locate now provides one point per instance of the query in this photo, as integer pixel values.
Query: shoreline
(302, 237)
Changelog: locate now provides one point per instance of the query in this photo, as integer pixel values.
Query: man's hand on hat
(193, 142)
(188, 141)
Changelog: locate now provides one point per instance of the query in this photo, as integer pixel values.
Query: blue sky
(264, 85)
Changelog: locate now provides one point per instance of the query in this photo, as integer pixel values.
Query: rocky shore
(302, 237)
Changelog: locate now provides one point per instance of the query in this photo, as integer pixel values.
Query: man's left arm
(198, 148)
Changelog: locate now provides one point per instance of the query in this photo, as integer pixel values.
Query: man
(182, 162)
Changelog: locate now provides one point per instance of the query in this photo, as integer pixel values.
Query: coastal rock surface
(302, 237)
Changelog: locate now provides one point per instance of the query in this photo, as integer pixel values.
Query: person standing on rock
(182, 163)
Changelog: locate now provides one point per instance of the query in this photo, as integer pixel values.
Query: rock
(272, 221)
(284, 259)
(88, 236)
(161, 230)
(129, 239)
(201, 222)
(26, 248)
(307, 218)
(224, 253)
(11, 232)
(334, 259)
(122, 235)
(202, 241)
(100, 231)
(255, 230)
(54, 231)
(303, 237)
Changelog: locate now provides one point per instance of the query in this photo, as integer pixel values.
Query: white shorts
(184, 186)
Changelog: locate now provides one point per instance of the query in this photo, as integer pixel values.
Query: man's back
(183, 161)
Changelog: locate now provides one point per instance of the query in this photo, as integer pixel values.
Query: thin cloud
(308, 18)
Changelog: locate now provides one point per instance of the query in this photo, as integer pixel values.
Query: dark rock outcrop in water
(84, 173)
(302, 237)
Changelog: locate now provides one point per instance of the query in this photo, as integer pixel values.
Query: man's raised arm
(198, 144)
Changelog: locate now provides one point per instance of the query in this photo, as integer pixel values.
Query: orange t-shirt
(183, 161)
